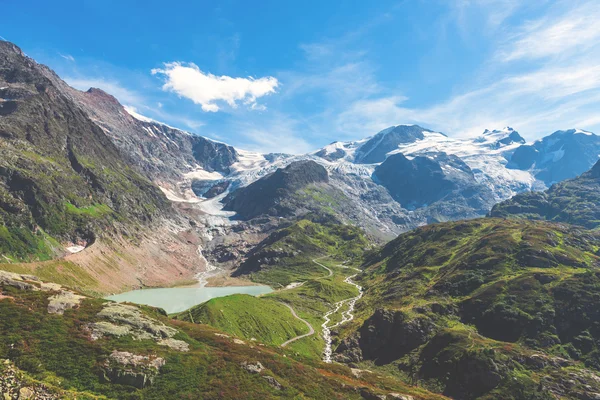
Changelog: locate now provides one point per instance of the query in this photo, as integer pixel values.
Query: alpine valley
(406, 265)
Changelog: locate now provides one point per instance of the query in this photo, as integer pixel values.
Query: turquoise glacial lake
(174, 300)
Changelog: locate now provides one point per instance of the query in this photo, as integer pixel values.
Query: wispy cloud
(123, 94)
(278, 134)
(558, 88)
(67, 57)
(206, 89)
(566, 31)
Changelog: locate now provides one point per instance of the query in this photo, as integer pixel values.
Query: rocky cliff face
(158, 150)
(425, 180)
(59, 173)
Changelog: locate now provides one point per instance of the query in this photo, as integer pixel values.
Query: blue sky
(292, 76)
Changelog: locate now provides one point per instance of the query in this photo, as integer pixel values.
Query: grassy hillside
(484, 308)
(104, 350)
(286, 255)
(248, 317)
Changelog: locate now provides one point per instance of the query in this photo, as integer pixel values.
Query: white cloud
(67, 57)
(187, 80)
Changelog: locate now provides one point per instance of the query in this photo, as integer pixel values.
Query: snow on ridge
(582, 132)
(133, 112)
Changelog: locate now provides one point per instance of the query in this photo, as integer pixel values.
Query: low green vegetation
(484, 309)
(265, 320)
(63, 352)
(574, 201)
(58, 271)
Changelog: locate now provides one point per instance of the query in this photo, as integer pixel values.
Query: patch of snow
(171, 195)
(582, 132)
(149, 131)
(133, 112)
(201, 174)
(214, 206)
(75, 249)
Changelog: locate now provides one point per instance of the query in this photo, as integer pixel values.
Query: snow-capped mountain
(462, 177)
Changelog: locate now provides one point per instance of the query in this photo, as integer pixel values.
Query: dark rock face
(264, 195)
(217, 189)
(562, 155)
(466, 376)
(336, 155)
(575, 201)
(513, 137)
(386, 336)
(377, 148)
(423, 181)
(58, 169)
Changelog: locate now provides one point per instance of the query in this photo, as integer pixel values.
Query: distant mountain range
(402, 177)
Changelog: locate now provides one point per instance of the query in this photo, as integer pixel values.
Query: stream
(346, 317)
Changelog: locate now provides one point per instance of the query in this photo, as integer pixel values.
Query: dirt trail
(311, 332)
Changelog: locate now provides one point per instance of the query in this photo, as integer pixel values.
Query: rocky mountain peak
(501, 138)
(376, 149)
(101, 95)
(6, 46)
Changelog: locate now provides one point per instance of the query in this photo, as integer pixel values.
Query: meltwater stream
(346, 317)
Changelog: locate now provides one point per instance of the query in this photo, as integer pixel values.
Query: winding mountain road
(318, 263)
(311, 332)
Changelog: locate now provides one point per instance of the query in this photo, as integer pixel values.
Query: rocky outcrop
(64, 300)
(122, 319)
(14, 384)
(253, 367)
(125, 368)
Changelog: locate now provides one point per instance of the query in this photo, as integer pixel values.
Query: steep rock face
(58, 170)
(559, 156)
(264, 195)
(156, 149)
(376, 149)
(437, 177)
(575, 201)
